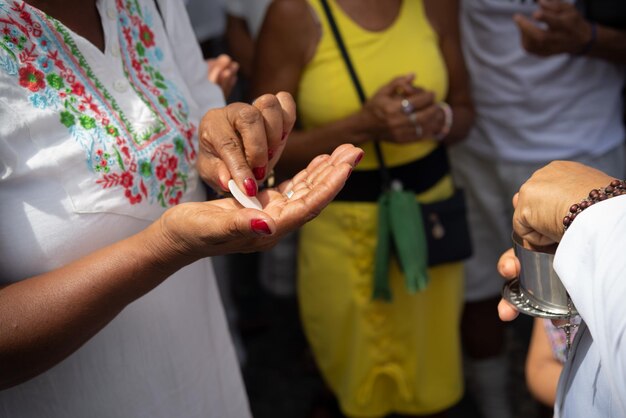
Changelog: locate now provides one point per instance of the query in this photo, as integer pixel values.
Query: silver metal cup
(539, 284)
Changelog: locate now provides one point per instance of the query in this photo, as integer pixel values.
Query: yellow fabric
(410, 45)
(377, 357)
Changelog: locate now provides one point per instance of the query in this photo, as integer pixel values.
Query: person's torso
(410, 45)
(532, 108)
(94, 147)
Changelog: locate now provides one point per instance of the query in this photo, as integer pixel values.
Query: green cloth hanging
(400, 232)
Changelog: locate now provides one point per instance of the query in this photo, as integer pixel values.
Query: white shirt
(532, 109)
(94, 147)
(591, 264)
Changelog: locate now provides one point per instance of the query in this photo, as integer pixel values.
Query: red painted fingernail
(223, 186)
(260, 226)
(251, 187)
(359, 158)
(259, 172)
(270, 154)
(284, 136)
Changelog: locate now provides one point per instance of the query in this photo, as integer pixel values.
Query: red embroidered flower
(146, 35)
(78, 89)
(126, 179)
(31, 78)
(172, 163)
(161, 172)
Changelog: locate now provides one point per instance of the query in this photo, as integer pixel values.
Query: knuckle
(249, 115)
(267, 101)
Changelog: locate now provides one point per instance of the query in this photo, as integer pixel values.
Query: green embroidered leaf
(179, 146)
(163, 101)
(119, 159)
(55, 81)
(145, 168)
(159, 76)
(160, 85)
(67, 119)
(87, 122)
(140, 49)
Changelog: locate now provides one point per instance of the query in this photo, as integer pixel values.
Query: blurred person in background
(546, 85)
(378, 357)
(108, 302)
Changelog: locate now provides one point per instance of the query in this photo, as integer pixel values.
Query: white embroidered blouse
(93, 147)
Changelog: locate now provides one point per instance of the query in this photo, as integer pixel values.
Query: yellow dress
(378, 357)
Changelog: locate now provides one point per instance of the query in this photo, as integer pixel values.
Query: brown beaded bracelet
(616, 188)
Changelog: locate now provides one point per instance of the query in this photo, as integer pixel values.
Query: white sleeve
(591, 263)
(188, 56)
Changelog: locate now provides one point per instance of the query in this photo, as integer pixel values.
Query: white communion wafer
(246, 201)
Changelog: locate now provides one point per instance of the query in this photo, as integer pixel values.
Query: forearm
(610, 44)
(542, 379)
(302, 146)
(45, 318)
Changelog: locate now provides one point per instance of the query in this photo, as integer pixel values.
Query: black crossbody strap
(384, 172)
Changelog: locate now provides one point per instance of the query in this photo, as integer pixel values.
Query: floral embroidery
(31, 78)
(149, 165)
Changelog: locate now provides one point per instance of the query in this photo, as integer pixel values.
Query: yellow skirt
(378, 357)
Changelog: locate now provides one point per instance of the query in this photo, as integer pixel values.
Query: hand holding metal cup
(538, 291)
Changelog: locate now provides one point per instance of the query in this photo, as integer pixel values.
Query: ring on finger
(413, 118)
(407, 107)
(289, 194)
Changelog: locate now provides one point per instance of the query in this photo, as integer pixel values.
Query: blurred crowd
(527, 83)
(385, 304)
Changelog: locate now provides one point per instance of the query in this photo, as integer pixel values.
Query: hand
(244, 142)
(567, 30)
(509, 268)
(197, 230)
(223, 72)
(419, 118)
(545, 199)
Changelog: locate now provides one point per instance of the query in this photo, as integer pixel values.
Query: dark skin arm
(444, 17)
(240, 43)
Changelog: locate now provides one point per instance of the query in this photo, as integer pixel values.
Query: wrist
(592, 35)
(615, 188)
(447, 121)
(364, 126)
(167, 251)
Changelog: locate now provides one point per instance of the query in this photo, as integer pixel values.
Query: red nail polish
(270, 154)
(223, 186)
(251, 187)
(259, 172)
(359, 158)
(260, 226)
(284, 136)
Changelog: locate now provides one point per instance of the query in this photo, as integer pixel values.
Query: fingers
(506, 311)
(508, 265)
(231, 140)
(509, 268)
(318, 184)
(532, 36)
(398, 86)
